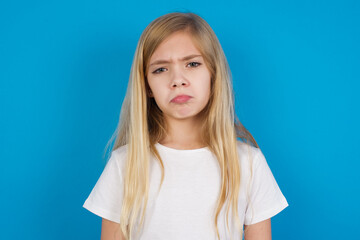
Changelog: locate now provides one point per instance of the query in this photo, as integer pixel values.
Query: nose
(178, 78)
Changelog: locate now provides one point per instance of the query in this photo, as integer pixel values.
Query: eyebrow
(182, 59)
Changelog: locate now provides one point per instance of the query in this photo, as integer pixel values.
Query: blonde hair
(141, 123)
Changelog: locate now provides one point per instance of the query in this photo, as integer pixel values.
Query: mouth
(181, 99)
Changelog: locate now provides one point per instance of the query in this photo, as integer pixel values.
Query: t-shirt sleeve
(266, 198)
(105, 198)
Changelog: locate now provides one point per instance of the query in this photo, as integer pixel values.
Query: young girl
(183, 166)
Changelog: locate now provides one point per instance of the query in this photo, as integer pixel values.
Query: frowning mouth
(181, 99)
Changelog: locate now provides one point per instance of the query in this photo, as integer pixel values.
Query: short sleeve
(266, 198)
(105, 199)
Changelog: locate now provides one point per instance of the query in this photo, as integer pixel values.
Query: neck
(183, 134)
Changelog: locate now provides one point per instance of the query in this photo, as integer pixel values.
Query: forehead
(177, 45)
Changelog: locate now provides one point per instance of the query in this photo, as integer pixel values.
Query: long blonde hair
(141, 122)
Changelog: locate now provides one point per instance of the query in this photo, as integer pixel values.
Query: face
(178, 78)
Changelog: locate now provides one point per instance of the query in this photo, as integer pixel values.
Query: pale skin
(176, 68)
(175, 76)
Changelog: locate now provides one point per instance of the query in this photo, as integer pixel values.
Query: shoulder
(118, 155)
(120, 151)
(247, 150)
(249, 155)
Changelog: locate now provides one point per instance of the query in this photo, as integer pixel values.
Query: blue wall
(64, 68)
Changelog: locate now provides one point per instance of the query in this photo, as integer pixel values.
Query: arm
(111, 230)
(258, 231)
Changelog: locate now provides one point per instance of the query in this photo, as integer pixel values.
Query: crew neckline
(181, 150)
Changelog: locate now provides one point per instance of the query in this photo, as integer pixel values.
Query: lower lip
(181, 99)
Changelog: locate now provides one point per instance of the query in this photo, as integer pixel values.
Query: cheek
(158, 91)
(204, 83)
(154, 85)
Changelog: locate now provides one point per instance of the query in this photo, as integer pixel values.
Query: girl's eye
(194, 64)
(158, 70)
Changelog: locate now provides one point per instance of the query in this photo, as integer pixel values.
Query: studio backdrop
(64, 68)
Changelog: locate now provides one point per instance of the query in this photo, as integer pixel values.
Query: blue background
(64, 71)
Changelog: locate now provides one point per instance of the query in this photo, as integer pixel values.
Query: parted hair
(141, 123)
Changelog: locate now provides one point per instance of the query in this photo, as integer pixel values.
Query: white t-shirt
(184, 207)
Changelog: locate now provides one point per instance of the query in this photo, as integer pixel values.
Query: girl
(177, 169)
